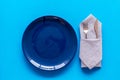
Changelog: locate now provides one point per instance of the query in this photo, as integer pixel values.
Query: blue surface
(15, 15)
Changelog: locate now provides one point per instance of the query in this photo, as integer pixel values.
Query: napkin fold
(91, 48)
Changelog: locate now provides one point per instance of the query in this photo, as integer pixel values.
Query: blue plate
(49, 43)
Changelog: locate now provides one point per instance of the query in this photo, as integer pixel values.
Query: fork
(85, 29)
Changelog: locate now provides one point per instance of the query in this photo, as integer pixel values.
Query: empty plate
(49, 43)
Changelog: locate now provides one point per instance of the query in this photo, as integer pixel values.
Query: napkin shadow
(46, 73)
(88, 71)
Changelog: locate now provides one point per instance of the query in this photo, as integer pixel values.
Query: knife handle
(96, 28)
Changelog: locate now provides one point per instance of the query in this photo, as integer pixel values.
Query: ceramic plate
(49, 43)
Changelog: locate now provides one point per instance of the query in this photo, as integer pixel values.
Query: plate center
(49, 42)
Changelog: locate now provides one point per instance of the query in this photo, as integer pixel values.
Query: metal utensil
(85, 29)
(96, 28)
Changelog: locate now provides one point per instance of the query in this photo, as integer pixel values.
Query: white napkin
(90, 48)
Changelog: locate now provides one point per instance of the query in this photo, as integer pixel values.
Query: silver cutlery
(96, 28)
(85, 29)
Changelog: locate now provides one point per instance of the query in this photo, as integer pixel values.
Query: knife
(96, 28)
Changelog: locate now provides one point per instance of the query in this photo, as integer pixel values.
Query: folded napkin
(91, 48)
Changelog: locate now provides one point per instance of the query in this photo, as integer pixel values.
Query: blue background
(15, 15)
